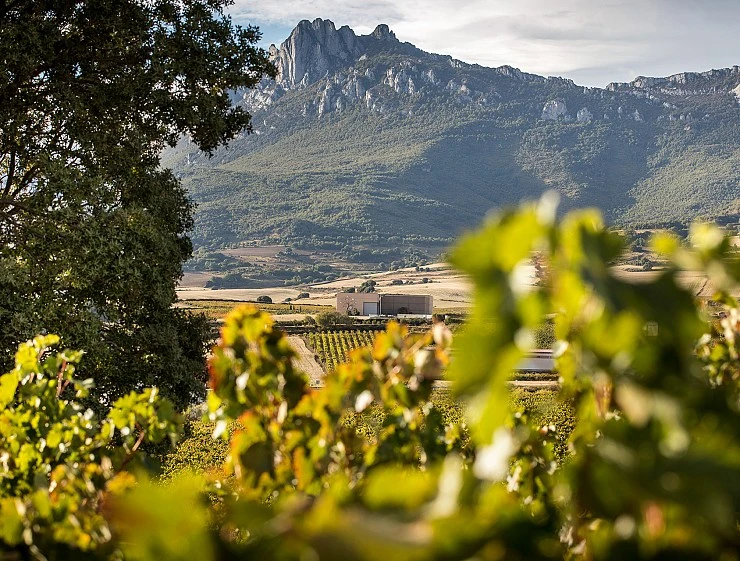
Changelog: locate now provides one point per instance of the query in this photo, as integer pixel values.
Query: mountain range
(365, 141)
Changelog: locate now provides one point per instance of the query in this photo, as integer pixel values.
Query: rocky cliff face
(335, 61)
(685, 83)
(736, 92)
(555, 109)
(312, 51)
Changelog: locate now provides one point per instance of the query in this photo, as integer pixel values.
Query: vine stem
(135, 447)
(60, 386)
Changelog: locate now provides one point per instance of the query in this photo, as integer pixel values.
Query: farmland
(449, 288)
(217, 309)
(333, 347)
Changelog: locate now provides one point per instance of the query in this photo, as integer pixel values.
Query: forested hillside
(367, 141)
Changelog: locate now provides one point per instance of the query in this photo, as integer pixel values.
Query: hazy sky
(594, 42)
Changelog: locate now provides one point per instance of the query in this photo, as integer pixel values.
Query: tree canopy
(92, 230)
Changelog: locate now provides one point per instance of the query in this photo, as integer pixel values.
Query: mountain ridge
(681, 78)
(363, 138)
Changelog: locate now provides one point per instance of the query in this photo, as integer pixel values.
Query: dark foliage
(92, 229)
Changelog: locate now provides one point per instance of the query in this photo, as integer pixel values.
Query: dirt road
(305, 360)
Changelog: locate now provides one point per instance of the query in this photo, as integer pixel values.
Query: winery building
(375, 304)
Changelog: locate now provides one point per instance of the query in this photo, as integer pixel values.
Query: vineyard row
(333, 347)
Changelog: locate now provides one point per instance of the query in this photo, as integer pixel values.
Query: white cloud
(590, 41)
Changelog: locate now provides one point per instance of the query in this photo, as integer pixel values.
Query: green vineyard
(333, 347)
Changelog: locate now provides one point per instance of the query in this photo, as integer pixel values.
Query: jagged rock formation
(317, 51)
(584, 115)
(554, 110)
(312, 50)
(683, 84)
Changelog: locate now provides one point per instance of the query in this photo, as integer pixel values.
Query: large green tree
(92, 229)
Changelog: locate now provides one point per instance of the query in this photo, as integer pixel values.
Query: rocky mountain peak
(317, 48)
(383, 33)
(313, 49)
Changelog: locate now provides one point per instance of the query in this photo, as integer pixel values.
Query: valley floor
(450, 289)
